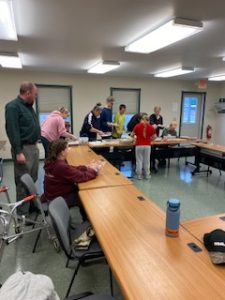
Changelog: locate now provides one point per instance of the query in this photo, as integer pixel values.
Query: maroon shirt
(61, 179)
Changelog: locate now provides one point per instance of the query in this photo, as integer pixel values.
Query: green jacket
(22, 125)
(167, 131)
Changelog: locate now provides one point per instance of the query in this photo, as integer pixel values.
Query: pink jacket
(53, 127)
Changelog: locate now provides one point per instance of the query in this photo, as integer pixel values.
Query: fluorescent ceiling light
(174, 72)
(7, 23)
(169, 33)
(7, 61)
(104, 67)
(217, 78)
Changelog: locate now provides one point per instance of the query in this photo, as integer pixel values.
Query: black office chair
(60, 216)
(89, 296)
(29, 184)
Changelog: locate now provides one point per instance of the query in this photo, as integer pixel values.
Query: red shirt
(139, 132)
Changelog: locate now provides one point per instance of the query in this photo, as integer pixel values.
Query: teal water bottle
(172, 217)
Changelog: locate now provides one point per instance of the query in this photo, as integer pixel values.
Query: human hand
(101, 132)
(96, 165)
(20, 158)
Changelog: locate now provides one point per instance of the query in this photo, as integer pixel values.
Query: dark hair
(26, 86)
(122, 106)
(55, 148)
(98, 107)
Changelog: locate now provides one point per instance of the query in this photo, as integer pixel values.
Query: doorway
(192, 114)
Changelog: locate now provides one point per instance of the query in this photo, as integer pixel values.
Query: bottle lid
(174, 202)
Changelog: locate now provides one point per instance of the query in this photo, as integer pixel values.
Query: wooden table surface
(111, 143)
(108, 175)
(171, 142)
(120, 143)
(146, 263)
(199, 227)
(212, 147)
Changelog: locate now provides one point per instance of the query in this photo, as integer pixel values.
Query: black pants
(45, 144)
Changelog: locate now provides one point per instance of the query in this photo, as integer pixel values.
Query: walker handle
(3, 189)
(29, 198)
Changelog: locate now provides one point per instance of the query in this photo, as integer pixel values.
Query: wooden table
(199, 227)
(111, 143)
(108, 175)
(210, 155)
(146, 263)
(211, 147)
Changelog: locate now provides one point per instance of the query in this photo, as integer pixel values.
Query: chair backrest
(60, 217)
(29, 183)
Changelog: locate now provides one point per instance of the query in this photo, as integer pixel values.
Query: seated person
(171, 130)
(61, 179)
(92, 124)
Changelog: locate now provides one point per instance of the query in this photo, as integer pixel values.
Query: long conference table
(108, 175)
(131, 230)
(146, 263)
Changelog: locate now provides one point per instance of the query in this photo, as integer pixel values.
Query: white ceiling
(72, 35)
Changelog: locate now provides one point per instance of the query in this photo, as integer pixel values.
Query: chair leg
(36, 241)
(72, 280)
(35, 219)
(111, 282)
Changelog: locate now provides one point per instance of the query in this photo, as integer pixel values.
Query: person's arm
(13, 128)
(62, 130)
(79, 174)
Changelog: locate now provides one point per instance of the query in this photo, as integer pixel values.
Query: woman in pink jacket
(54, 127)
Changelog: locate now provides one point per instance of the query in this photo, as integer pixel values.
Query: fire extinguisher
(209, 132)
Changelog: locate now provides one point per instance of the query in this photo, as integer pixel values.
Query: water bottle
(172, 217)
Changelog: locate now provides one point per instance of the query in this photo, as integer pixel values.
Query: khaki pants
(31, 152)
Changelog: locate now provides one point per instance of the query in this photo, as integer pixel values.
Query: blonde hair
(63, 110)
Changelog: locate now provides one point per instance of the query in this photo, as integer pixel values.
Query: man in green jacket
(23, 130)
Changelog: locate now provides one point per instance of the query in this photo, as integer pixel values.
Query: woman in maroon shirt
(61, 179)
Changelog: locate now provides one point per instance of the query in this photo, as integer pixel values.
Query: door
(192, 114)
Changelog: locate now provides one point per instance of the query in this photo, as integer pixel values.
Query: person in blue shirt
(106, 115)
(92, 125)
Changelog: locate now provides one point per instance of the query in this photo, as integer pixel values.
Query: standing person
(145, 133)
(106, 115)
(61, 179)
(119, 119)
(54, 127)
(134, 121)
(156, 119)
(23, 131)
(92, 124)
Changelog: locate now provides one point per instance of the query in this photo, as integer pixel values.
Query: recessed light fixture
(169, 33)
(174, 72)
(10, 61)
(7, 23)
(103, 67)
(217, 78)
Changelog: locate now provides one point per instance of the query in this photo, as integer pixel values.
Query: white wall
(87, 90)
(219, 131)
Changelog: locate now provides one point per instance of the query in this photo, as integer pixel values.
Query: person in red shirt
(61, 179)
(144, 133)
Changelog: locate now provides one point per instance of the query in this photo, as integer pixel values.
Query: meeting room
(112, 149)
